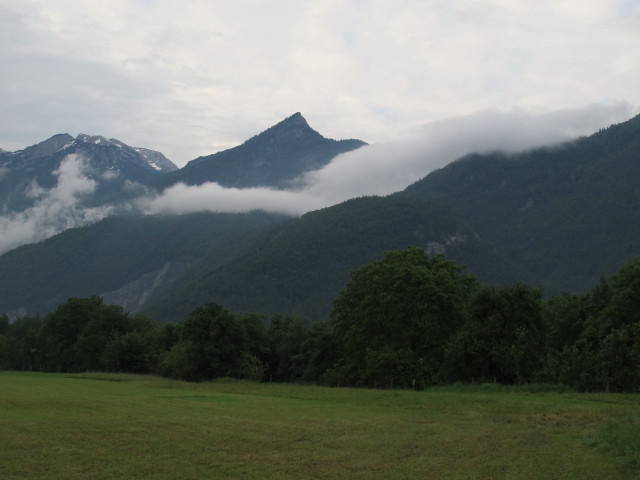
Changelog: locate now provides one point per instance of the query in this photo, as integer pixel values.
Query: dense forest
(563, 214)
(408, 320)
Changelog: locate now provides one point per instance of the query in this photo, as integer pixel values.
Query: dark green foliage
(285, 359)
(135, 351)
(4, 324)
(623, 306)
(502, 337)
(77, 332)
(395, 316)
(319, 352)
(594, 339)
(4, 346)
(212, 344)
(619, 359)
(25, 343)
(408, 320)
(4, 353)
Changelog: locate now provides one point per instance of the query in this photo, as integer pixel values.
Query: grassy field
(98, 426)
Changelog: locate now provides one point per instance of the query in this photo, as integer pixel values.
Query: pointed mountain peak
(296, 119)
(294, 128)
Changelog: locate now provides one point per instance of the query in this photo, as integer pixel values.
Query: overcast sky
(191, 78)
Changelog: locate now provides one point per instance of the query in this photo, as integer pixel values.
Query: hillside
(567, 214)
(114, 254)
(301, 266)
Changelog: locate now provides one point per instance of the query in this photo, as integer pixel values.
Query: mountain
(273, 158)
(566, 214)
(114, 167)
(126, 258)
(554, 217)
(301, 265)
(168, 265)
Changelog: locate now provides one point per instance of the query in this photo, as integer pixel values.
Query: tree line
(406, 321)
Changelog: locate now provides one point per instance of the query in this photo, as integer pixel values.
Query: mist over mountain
(382, 169)
(557, 216)
(111, 164)
(65, 182)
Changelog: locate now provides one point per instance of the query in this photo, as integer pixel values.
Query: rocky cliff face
(134, 294)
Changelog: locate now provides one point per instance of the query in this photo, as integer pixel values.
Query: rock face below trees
(133, 295)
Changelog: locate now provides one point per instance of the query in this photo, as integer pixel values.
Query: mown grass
(55, 426)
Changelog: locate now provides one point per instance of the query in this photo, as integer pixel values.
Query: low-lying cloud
(210, 196)
(54, 210)
(386, 168)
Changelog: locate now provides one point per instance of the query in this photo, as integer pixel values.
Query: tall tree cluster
(406, 321)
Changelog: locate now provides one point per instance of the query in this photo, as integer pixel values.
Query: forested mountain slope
(302, 265)
(566, 214)
(119, 251)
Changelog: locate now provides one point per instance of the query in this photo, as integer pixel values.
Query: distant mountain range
(554, 217)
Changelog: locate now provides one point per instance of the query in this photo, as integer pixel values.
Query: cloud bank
(386, 168)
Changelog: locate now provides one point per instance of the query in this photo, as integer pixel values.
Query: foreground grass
(83, 427)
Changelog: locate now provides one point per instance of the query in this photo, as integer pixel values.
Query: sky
(191, 78)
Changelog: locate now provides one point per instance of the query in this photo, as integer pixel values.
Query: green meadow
(102, 426)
